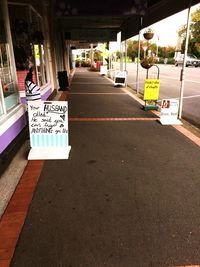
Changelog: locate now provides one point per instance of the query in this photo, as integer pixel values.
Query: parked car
(191, 60)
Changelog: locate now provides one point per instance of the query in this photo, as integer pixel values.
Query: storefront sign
(169, 112)
(120, 78)
(151, 89)
(48, 128)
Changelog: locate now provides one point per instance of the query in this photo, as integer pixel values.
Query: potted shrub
(148, 34)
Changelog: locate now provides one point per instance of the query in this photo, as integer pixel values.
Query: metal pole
(137, 74)
(121, 53)
(110, 57)
(125, 44)
(184, 63)
(157, 47)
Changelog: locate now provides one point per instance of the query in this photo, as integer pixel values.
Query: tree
(132, 49)
(194, 35)
(168, 51)
(195, 25)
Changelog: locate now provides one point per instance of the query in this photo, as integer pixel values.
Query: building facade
(26, 41)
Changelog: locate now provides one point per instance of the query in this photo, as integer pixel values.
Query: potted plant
(148, 34)
(148, 62)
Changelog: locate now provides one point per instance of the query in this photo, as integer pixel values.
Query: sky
(166, 29)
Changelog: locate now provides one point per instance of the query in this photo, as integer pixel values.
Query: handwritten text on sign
(48, 124)
(120, 77)
(151, 89)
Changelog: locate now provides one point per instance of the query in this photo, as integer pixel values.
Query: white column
(138, 56)
(184, 64)
(125, 61)
(121, 52)
(92, 55)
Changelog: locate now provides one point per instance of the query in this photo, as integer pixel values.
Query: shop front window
(8, 85)
(8, 90)
(28, 43)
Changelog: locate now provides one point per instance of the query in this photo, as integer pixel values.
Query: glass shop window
(9, 97)
(28, 43)
(41, 71)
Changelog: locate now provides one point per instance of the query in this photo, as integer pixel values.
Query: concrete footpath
(128, 196)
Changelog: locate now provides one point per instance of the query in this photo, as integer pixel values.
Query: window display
(8, 89)
(28, 43)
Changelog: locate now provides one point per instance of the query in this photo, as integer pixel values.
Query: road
(170, 86)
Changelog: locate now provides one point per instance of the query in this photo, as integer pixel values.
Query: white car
(191, 60)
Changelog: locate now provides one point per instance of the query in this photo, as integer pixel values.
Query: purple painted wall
(7, 137)
(47, 94)
(44, 97)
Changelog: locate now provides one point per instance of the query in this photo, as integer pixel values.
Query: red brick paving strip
(187, 266)
(14, 216)
(112, 119)
(189, 135)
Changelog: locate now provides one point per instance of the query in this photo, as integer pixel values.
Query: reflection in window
(10, 94)
(28, 43)
(1, 102)
(40, 64)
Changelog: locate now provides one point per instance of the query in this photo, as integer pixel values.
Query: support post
(125, 62)
(184, 63)
(92, 54)
(138, 56)
(121, 52)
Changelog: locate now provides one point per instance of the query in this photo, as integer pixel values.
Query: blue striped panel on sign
(56, 140)
(38, 140)
(52, 140)
(33, 140)
(61, 140)
(65, 140)
(47, 140)
(42, 140)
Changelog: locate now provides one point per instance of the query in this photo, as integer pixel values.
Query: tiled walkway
(128, 195)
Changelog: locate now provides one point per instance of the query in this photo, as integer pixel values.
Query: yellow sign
(36, 49)
(151, 89)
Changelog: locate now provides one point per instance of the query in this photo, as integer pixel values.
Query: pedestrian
(32, 90)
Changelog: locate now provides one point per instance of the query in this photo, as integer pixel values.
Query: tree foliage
(195, 25)
(132, 49)
(194, 35)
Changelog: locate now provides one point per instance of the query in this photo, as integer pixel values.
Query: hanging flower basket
(146, 65)
(148, 62)
(148, 35)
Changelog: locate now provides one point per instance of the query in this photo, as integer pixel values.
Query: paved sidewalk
(127, 197)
